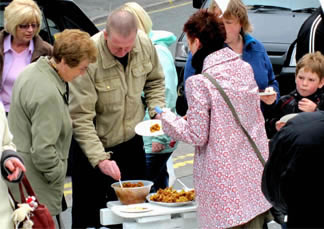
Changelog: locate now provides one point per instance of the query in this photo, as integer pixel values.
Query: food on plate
(138, 208)
(132, 185)
(154, 128)
(267, 91)
(169, 195)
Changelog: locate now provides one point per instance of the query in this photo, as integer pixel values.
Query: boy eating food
(307, 97)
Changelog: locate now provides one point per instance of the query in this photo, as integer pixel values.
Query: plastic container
(132, 195)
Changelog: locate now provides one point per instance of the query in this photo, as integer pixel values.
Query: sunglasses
(26, 26)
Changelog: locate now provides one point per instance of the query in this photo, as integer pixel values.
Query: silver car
(275, 23)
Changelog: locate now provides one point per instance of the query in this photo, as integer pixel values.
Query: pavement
(97, 10)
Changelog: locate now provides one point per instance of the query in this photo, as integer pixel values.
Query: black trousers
(91, 189)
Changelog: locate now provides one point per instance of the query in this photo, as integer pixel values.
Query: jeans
(156, 170)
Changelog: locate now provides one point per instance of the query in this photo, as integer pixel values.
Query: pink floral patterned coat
(227, 173)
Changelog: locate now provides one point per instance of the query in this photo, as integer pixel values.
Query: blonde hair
(144, 21)
(74, 46)
(312, 62)
(237, 9)
(214, 8)
(21, 12)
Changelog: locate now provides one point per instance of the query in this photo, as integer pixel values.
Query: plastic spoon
(120, 183)
(183, 185)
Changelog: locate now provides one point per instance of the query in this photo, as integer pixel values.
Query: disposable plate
(143, 128)
(177, 204)
(135, 209)
(267, 93)
(287, 117)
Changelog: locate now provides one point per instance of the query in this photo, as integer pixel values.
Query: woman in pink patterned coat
(227, 173)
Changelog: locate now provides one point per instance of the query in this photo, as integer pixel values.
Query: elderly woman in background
(227, 172)
(39, 116)
(11, 170)
(20, 44)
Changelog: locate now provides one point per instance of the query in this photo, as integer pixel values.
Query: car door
(57, 16)
(63, 14)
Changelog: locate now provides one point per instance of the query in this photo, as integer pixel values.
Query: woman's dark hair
(209, 30)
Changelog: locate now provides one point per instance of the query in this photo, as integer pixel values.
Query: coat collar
(7, 44)
(221, 56)
(40, 46)
(52, 74)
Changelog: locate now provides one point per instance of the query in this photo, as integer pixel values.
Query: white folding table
(159, 217)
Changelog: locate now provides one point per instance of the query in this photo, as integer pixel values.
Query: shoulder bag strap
(237, 119)
(29, 190)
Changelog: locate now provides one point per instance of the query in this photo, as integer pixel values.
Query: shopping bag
(29, 213)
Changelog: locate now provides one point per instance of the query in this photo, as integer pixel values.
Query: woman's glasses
(26, 26)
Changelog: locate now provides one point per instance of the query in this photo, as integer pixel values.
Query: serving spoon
(120, 183)
(183, 185)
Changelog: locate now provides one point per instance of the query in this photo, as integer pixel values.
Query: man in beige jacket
(105, 106)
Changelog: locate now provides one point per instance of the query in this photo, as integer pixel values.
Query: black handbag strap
(237, 119)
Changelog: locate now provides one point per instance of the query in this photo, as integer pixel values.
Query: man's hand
(15, 166)
(157, 147)
(110, 168)
(306, 105)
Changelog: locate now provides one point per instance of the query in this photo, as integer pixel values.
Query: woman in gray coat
(39, 116)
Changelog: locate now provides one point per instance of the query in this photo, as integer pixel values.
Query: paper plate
(267, 93)
(176, 204)
(143, 128)
(135, 209)
(287, 117)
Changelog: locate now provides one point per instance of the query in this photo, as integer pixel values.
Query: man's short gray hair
(122, 22)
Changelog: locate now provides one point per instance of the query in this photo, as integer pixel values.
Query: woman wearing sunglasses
(20, 44)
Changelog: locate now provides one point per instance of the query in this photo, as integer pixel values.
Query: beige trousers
(257, 222)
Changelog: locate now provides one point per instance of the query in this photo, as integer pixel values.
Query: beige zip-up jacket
(106, 102)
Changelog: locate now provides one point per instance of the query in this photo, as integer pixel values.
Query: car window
(2, 6)
(292, 5)
(284, 4)
(48, 30)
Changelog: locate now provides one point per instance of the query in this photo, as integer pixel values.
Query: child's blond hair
(312, 62)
